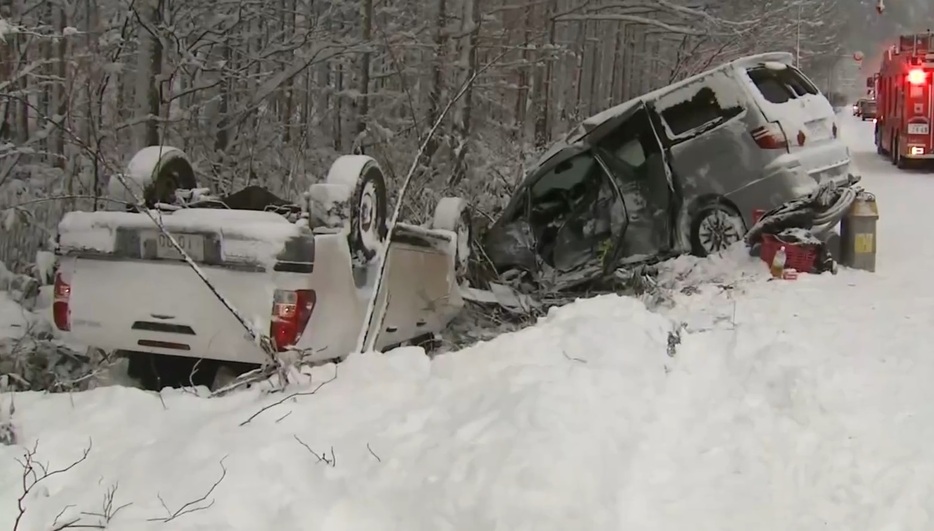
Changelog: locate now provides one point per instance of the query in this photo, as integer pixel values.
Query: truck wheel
(715, 227)
(367, 205)
(902, 163)
(154, 173)
(453, 214)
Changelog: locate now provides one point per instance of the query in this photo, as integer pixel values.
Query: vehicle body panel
(116, 285)
(687, 158)
(867, 109)
(904, 88)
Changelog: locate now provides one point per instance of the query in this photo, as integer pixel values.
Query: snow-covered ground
(798, 405)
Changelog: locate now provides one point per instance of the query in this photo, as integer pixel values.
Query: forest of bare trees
(271, 91)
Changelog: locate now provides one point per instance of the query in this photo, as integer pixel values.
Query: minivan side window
(699, 110)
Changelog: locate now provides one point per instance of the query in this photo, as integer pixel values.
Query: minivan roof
(600, 118)
(585, 127)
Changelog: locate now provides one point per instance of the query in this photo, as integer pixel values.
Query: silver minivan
(681, 169)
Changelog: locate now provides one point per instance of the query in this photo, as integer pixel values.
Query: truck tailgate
(165, 308)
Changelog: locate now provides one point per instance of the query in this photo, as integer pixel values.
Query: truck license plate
(193, 244)
(918, 129)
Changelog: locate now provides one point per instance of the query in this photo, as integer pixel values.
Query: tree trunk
(59, 96)
(522, 84)
(472, 25)
(151, 79)
(543, 95)
(437, 79)
(363, 110)
(222, 134)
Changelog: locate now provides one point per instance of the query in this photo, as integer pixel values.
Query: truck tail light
(291, 311)
(61, 313)
(770, 136)
(917, 76)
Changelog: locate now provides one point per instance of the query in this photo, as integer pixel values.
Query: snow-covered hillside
(798, 405)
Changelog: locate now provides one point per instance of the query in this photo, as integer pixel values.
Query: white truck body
(121, 286)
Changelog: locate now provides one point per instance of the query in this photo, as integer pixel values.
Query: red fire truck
(903, 91)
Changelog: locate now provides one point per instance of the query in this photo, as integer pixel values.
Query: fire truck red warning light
(917, 76)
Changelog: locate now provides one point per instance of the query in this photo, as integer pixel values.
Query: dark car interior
(596, 206)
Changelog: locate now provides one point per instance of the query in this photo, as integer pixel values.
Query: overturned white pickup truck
(303, 274)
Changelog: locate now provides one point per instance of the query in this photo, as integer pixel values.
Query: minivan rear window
(781, 85)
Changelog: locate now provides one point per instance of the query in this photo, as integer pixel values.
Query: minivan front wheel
(715, 227)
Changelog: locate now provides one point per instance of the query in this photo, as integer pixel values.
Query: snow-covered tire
(367, 209)
(153, 174)
(715, 226)
(453, 214)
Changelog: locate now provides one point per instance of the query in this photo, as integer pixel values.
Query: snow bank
(799, 405)
(516, 433)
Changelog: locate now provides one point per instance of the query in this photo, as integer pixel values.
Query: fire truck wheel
(902, 163)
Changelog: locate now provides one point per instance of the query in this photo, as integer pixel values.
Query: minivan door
(633, 155)
(708, 156)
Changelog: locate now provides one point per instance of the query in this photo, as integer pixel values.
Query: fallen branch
(262, 374)
(108, 511)
(322, 457)
(35, 473)
(290, 396)
(200, 504)
(373, 453)
(106, 514)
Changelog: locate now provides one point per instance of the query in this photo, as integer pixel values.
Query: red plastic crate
(798, 256)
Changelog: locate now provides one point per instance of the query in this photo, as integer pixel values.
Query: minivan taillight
(291, 310)
(60, 310)
(770, 136)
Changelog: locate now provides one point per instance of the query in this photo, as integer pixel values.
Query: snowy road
(788, 406)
